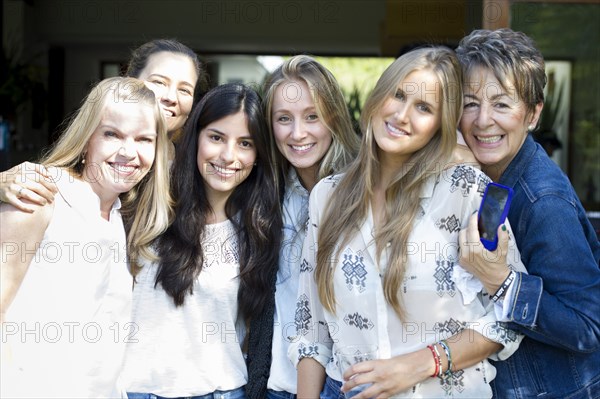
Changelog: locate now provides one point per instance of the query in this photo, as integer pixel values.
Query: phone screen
(491, 211)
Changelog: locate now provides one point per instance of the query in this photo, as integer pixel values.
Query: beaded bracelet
(504, 286)
(436, 359)
(446, 347)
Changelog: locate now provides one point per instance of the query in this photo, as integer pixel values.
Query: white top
(70, 318)
(193, 349)
(433, 302)
(282, 376)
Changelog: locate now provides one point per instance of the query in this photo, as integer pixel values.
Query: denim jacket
(556, 305)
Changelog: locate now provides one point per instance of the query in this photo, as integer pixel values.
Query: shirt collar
(293, 183)
(429, 187)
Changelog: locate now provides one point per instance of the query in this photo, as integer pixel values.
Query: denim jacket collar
(519, 164)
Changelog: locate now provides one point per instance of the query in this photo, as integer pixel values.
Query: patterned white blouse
(436, 308)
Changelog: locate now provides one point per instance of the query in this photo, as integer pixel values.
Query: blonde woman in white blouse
(380, 257)
(65, 285)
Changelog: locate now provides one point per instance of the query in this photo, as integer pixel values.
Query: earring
(83, 158)
(531, 128)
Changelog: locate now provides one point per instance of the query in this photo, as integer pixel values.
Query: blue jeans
(238, 393)
(271, 394)
(331, 389)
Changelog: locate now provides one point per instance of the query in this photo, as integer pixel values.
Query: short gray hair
(513, 58)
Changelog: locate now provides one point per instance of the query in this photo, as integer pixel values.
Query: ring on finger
(20, 191)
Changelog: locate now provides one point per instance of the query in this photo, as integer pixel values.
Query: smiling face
(299, 132)
(172, 77)
(406, 122)
(121, 150)
(226, 155)
(495, 121)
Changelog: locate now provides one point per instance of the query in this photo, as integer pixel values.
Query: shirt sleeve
(502, 306)
(489, 324)
(312, 335)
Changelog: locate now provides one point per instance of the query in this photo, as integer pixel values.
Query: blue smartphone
(492, 213)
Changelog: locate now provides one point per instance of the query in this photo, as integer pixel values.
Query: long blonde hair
(349, 207)
(330, 105)
(146, 208)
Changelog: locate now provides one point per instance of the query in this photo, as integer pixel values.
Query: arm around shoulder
(26, 185)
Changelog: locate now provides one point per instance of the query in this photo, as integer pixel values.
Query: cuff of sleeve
(525, 300)
(503, 305)
(499, 332)
(299, 350)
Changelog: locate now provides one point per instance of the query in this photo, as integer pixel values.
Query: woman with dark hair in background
(173, 72)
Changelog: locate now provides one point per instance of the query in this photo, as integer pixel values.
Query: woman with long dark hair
(217, 260)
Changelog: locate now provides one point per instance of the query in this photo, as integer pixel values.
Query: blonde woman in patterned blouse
(380, 256)
(309, 120)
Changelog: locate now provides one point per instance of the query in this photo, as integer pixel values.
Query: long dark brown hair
(253, 207)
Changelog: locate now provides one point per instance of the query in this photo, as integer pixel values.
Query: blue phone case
(492, 213)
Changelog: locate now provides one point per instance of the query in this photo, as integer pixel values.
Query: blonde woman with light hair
(66, 287)
(308, 117)
(380, 257)
(302, 82)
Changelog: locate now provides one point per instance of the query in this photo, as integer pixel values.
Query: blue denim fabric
(238, 393)
(556, 305)
(271, 394)
(331, 389)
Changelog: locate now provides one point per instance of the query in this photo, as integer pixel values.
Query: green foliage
(357, 77)
(571, 32)
(355, 73)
